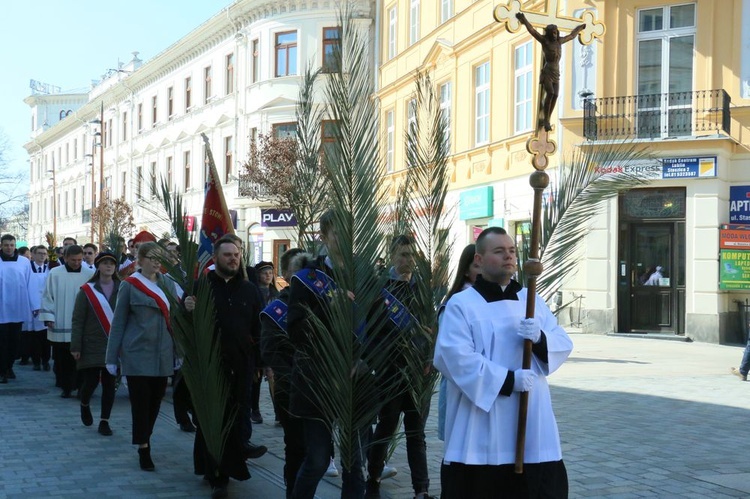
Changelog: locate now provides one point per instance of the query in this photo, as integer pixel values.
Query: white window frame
(414, 8)
(482, 103)
(446, 97)
(392, 31)
(446, 10)
(523, 78)
(411, 113)
(390, 131)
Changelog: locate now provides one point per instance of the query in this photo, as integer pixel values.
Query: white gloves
(112, 369)
(524, 380)
(530, 330)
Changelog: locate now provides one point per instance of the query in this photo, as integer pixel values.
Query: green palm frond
(427, 154)
(309, 186)
(583, 184)
(196, 341)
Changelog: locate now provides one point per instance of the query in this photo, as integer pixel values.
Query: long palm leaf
(586, 180)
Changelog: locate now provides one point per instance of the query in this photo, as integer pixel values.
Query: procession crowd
(103, 318)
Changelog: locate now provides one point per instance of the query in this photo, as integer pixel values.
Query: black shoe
(144, 458)
(187, 427)
(219, 492)
(37, 367)
(256, 418)
(65, 394)
(86, 418)
(10, 374)
(254, 451)
(46, 366)
(104, 429)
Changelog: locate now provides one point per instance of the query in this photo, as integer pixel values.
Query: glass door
(652, 297)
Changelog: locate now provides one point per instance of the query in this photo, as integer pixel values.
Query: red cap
(144, 236)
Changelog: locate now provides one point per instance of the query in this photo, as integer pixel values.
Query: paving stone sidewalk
(638, 418)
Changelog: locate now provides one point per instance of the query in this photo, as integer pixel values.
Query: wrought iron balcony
(248, 189)
(655, 116)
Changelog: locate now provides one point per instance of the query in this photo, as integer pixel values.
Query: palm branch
(582, 186)
(427, 180)
(195, 338)
(344, 388)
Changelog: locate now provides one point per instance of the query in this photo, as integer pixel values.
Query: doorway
(651, 276)
(279, 247)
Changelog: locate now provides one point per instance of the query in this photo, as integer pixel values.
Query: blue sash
(277, 310)
(397, 311)
(318, 282)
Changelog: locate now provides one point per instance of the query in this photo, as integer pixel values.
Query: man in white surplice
(479, 350)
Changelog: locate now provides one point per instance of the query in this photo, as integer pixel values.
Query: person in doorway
(479, 350)
(92, 321)
(655, 278)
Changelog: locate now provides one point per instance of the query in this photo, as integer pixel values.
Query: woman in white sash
(141, 339)
(92, 320)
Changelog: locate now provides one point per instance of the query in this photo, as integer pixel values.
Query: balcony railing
(675, 114)
(248, 189)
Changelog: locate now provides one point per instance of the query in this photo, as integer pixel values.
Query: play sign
(277, 218)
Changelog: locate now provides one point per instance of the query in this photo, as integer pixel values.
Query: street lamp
(97, 121)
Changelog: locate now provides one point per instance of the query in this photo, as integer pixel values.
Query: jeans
(318, 456)
(416, 449)
(745, 365)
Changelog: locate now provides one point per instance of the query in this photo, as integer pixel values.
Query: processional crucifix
(587, 28)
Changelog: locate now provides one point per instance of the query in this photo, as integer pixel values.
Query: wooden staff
(532, 268)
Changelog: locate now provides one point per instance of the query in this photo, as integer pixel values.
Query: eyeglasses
(89, 253)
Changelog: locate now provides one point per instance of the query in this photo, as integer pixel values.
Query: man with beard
(237, 304)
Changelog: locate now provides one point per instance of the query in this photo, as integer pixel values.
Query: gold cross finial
(507, 14)
(541, 146)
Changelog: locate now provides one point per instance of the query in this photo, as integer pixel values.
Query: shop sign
(476, 203)
(695, 167)
(277, 218)
(739, 204)
(735, 269)
(189, 223)
(734, 238)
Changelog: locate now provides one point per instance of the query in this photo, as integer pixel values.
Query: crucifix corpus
(587, 28)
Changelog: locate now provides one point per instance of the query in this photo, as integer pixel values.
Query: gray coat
(88, 336)
(139, 335)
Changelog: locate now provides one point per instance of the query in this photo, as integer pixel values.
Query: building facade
(232, 78)
(671, 76)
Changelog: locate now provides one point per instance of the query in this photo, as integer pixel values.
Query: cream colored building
(235, 76)
(671, 75)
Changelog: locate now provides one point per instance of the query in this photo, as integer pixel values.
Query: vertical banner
(216, 221)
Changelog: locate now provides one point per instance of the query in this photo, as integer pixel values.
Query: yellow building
(671, 75)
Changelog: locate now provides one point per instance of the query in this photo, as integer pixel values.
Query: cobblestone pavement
(638, 418)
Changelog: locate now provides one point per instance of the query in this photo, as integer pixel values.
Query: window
(446, 10)
(666, 41)
(389, 140)
(286, 53)
(255, 70)
(170, 103)
(328, 133)
(170, 173)
(111, 132)
(445, 106)
(65, 204)
(153, 178)
(188, 93)
(124, 126)
(414, 22)
(392, 34)
(331, 49)
(285, 130)
(75, 149)
(228, 146)
(154, 109)
(139, 183)
(75, 202)
(206, 84)
(229, 75)
(67, 153)
(140, 117)
(482, 104)
(524, 85)
(105, 132)
(124, 184)
(186, 164)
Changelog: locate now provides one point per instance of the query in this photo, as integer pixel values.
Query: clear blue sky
(68, 43)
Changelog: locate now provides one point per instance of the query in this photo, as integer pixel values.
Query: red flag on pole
(215, 222)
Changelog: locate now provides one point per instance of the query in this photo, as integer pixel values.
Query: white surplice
(476, 347)
(16, 303)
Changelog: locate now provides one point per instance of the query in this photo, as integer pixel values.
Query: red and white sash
(151, 289)
(101, 306)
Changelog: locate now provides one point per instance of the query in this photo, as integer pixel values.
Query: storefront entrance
(651, 273)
